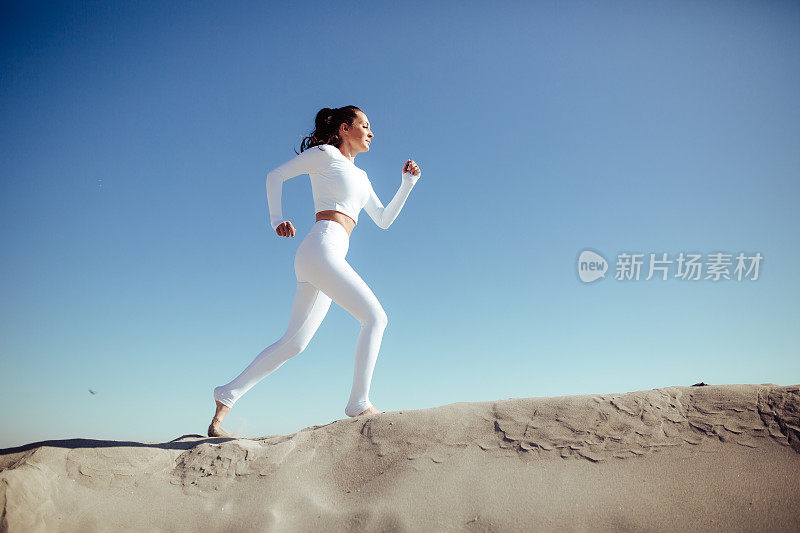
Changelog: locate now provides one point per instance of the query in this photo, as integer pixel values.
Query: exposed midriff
(339, 217)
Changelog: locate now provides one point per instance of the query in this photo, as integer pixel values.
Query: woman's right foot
(370, 411)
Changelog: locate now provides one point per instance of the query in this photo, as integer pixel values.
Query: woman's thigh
(308, 310)
(320, 260)
(341, 282)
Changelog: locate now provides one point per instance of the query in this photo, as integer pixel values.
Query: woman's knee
(294, 346)
(377, 318)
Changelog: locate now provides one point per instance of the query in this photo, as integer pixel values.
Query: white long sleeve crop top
(337, 184)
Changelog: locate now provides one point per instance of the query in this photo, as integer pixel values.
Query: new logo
(591, 266)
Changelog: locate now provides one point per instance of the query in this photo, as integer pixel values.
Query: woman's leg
(309, 308)
(339, 281)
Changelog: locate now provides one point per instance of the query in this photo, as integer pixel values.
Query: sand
(719, 457)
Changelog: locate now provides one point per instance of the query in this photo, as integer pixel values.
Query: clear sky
(137, 259)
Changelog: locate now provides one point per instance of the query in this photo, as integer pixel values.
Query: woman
(340, 191)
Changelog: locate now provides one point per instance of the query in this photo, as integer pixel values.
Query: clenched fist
(285, 229)
(411, 172)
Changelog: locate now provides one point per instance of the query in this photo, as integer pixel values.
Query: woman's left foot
(217, 431)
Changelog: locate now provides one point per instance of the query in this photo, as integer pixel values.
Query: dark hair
(326, 126)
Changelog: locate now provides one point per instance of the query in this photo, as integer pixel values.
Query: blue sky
(137, 258)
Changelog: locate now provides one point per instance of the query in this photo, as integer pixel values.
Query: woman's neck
(346, 151)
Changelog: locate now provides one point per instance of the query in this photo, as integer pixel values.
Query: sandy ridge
(344, 456)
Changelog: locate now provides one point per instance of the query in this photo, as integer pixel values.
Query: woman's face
(359, 135)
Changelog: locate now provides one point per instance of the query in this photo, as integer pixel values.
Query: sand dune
(674, 458)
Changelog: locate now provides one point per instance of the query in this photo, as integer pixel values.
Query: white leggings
(322, 273)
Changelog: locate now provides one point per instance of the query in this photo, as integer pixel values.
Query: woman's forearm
(274, 192)
(384, 216)
(393, 208)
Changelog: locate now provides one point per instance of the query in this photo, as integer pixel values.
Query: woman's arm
(384, 216)
(310, 160)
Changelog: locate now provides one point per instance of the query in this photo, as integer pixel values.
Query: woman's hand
(285, 229)
(412, 167)
(411, 172)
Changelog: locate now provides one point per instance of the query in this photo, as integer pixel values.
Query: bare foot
(370, 411)
(215, 430)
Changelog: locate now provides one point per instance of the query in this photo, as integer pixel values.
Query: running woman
(340, 190)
